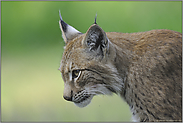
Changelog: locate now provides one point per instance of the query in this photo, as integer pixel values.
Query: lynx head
(87, 64)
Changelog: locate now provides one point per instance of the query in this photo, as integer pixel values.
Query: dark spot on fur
(152, 115)
(135, 95)
(141, 81)
(141, 108)
(131, 106)
(135, 79)
(165, 114)
(115, 59)
(134, 74)
(160, 88)
(144, 100)
(112, 90)
(148, 100)
(158, 104)
(124, 92)
(164, 101)
(158, 93)
(142, 94)
(142, 103)
(168, 115)
(171, 51)
(138, 98)
(169, 102)
(135, 86)
(128, 86)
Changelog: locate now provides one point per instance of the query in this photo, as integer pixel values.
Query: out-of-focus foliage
(32, 47)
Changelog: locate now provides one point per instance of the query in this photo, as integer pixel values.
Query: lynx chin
(144, 68)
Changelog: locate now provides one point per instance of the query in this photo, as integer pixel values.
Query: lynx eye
(75, 73)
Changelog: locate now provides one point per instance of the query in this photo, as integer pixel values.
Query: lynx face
(86, 67)
(144, 68)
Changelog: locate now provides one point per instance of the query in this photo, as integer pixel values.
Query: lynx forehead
(144, 68)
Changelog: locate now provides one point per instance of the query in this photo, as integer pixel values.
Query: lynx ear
(68, 32)
(96, 40)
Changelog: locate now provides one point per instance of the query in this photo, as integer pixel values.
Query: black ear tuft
(63, 24)
(95, 19)
(68, 32)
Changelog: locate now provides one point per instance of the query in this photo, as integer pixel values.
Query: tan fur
(145, 68)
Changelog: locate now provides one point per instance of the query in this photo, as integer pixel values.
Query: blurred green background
(32, 47)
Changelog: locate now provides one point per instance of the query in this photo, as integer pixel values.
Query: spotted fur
(144, 68)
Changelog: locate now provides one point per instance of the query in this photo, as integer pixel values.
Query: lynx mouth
(83, 101)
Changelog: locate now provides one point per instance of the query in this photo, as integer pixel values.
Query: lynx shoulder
(144, 68)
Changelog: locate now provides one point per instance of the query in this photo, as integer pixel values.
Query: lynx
(144, 68)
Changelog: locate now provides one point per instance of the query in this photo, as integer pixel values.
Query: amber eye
(75, 73)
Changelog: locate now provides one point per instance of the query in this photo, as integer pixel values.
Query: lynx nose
(67, 98)
(68, 93)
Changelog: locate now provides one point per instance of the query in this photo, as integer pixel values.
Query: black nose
(67, 98)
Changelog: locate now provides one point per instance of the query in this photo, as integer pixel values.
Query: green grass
(32, 47)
